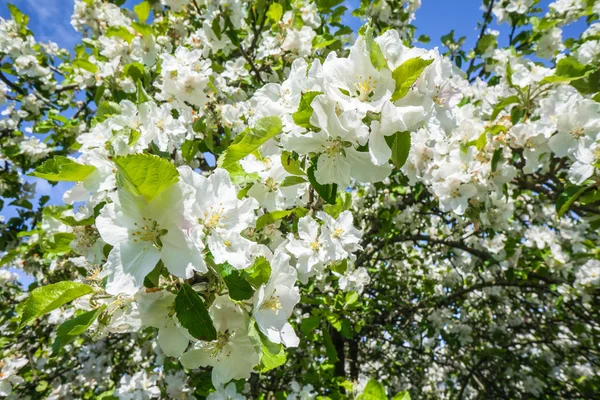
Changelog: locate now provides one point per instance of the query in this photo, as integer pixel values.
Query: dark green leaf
(193, 315)
(70, 329)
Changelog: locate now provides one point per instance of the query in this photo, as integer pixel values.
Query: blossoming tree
(265, 204)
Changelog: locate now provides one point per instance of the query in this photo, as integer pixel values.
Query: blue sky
(50, 21)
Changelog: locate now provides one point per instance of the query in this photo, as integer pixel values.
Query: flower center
(364, 88)
(271, 184)
(215, 220)
(149, 232)
(315, 245)
(222, 340)
(577, 132)
(272, 303)
(337, 233)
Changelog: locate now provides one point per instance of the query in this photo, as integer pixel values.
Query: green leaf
(305, 111)
(496, 129)
(193, 315)
(120, 32)
(275, 12)
(70, 329)
(271, 217)
(142, 11)
(326, 5)
(327, 192)
(134, 135)
(407, 74)
(9, 257)
(567, 198)
(142, 95)
(373, 391)
(145, 174)
(351, 298)
(255, 137)
(108, 108)
(568, 69)
(320, 41)
(503, 104)
(86, 65)
(216, 27)
(309, 324)
(135, 70)
(273, 355)
(58, 243)
(402, 396)
(254, 335)
(62, 169)
(496, 158)
(342, 203)
(293, 180)
(485, 42)
(481, 141)
(239, 288)
(330, 350)
(290, 164)
(142, 29)
(189, 149)
(44, 299)
(17, 15)
(400, 148)
(259, 273)
(375, 54)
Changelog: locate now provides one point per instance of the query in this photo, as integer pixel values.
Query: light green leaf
(145, 174)
(120, 32)
(320, 41)
(86, 65)
(44, 299)
(273, 355)
(275, 12)
(271, 217)
(373, 391)
(481, 141)
(193, 315)
(568, 69)
(264, 130)
(62, 169)
(259, 273)
(142, 11)
(19, 17)
(351, 298)
(305, 111)
(375, 54)
(407, 74)
(503, 104)
(108, 108)
(70, 329)
(142, 29)
(402, 396)
(293, 180)
(290, 164)
(58, 243)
